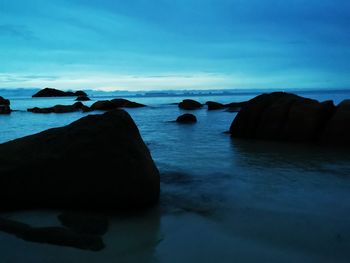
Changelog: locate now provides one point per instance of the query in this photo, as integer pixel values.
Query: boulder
(212, 105)
(59, 108)
(235, 106)
(186, 118)
(282, 116)
(337, 130)
(85, 223)
(96, 162)
(123, 103)
(103, 105)
(4, 106)
(190, 105)
(51, 235)
(82, 98)
(49, 92)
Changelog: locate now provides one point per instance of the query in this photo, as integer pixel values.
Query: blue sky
(174, 44)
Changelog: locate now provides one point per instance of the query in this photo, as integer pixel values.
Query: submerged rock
(49, 92)
(82, 98)
(190, 105)
(186, 118)
(4, 106)
(51, 235)
(212, 105)
(235, 106)
(96, 162)
(282, 116)
(59, 108)
(85, 223)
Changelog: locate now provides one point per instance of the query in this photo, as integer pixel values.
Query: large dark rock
(49, 92)
(85, 223)
(51, 235)
(337, 130)
(97, 162)
(123, 103)
(59, 108)
(115, 104)
(190, 105)
(235, 106)
(282, 116)
(212, 105)
(186, 118)
(4, 106)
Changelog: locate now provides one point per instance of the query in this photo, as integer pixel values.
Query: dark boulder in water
(59, 108)
(190, 105)
(212, 105)
(49, 92)
(282, 116)
(4, 106)
(186, 118)
(123, 103)
(51, 235)
(82, 98)
(235, 106)
(85, 223)
(115, 104)
(337, 129)
(96, 162)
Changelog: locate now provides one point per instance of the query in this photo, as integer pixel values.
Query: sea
(222, 199)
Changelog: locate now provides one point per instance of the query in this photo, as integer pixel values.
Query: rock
(59, 108)
(123, 103)
(85, 223)
(51, 235)
(80, 93)
(114, 104)
(49, 92)
(186, 118)
(96, 162)
(190, 105)
(282, 116)
(235, 106)
(214, 105)
(82, 98)
(4, 106)
(337, 130)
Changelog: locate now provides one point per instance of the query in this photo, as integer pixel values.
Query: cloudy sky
(175, 44)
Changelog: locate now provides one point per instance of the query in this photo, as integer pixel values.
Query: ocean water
(222, 200)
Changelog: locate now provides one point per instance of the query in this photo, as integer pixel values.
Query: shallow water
(222, 199)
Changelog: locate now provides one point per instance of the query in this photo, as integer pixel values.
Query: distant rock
(49, 92)
(51, 235)
(82, 98)
(85, 223)
(4, 106)
(190, 105)
(96, 162)
(59, 108)
(212, 105)
(123, 103)
(103, 105)
(282, 116)
(187, 118)
(115, 104)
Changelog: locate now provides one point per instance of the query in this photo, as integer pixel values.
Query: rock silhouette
(96, 162)
(190, 105)
(212, 105)
(186, 118)
(82, 98)
(4, 106)
(49, 92)
(284, 116)
(59, 108)
(115, 104)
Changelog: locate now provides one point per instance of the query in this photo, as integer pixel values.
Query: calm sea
(223, 199)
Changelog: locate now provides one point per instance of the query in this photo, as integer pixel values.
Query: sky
(175, 44)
